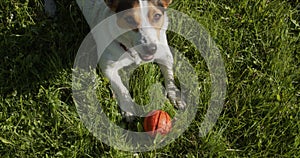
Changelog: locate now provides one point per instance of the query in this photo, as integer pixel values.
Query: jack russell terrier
(145, 42)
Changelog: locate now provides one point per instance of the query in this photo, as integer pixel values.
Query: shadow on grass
(35, 49)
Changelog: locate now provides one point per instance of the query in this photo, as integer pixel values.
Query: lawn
(258, 41)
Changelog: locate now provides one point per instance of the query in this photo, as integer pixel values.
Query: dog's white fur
(115, 57)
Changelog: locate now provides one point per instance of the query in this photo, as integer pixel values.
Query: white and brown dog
(146, 42)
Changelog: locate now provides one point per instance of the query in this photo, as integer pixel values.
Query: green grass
(258, 40)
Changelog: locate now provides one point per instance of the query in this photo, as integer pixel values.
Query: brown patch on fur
(157, 24)
(132, 13)
(121, 5)
(131, 17)
(112, 4)
(162, 3)
(166, 3)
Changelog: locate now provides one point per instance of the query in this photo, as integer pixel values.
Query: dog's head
(147, 21)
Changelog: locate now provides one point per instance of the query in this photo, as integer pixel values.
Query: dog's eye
(156, 16)
(130, 20)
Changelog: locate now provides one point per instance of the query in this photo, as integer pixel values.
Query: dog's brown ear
(112, 4)
(162, 3)
(166, 3)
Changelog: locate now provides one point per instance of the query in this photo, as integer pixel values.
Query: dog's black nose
(150, 49)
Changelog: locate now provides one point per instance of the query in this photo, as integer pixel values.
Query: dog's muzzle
(148, 51)
(145, 51)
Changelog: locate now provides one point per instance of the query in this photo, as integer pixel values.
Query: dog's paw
(127, 107)
(129, 117)
(176, 99)
(178, 103)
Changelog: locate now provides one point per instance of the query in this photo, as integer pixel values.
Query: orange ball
(157, 121)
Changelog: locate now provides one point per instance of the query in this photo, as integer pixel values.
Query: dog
(148, 22)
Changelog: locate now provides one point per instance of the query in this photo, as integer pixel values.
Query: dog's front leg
(124, 99)
(172, 91)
